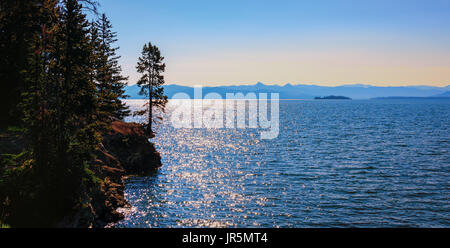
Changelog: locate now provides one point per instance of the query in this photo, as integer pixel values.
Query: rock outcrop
(129, 144)
(125, 151)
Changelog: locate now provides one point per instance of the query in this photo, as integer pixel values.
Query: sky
(322, 42)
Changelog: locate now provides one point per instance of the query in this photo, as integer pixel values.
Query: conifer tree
(151, 65)
(19, 26)
(110, 82)
(29, 89)
(76, 106)
(37, 100)
(46, 72)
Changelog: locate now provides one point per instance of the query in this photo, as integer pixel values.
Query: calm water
(372, 163)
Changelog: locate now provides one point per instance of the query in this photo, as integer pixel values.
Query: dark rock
(129, 144)
(125, 151)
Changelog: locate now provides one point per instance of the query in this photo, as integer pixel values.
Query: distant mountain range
(289, 91)
(445, 94)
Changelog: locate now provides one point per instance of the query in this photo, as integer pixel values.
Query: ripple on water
(335, 164)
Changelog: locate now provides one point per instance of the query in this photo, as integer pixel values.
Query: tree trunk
(150, 112)
(150, 104)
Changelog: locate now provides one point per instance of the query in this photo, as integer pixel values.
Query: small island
(333, 98)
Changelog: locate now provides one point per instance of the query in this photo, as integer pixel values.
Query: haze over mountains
(289, 91)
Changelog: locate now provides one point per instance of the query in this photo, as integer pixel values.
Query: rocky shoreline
(125, 151)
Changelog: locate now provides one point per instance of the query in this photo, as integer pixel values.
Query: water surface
(362, 163)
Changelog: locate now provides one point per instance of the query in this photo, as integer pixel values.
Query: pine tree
(110, 82)
(19, 26)
(151, 65)
(49, 79)
(29, 92)
(76, 106)
(37, 101)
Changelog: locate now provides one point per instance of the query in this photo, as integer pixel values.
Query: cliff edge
(125, 151)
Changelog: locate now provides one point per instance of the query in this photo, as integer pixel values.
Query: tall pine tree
(110, 82)
(60, 80)
(30, 101)
(19, 27)
(76, 107)
(151, 66)
(37, 99)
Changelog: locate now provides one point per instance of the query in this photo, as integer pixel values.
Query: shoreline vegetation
(64, 148)
(125, 151)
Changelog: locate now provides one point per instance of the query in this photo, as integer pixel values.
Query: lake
(336, 163)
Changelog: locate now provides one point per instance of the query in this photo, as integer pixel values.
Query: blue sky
(277, 42)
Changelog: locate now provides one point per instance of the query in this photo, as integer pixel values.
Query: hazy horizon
(326, 42)
(294, 84)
